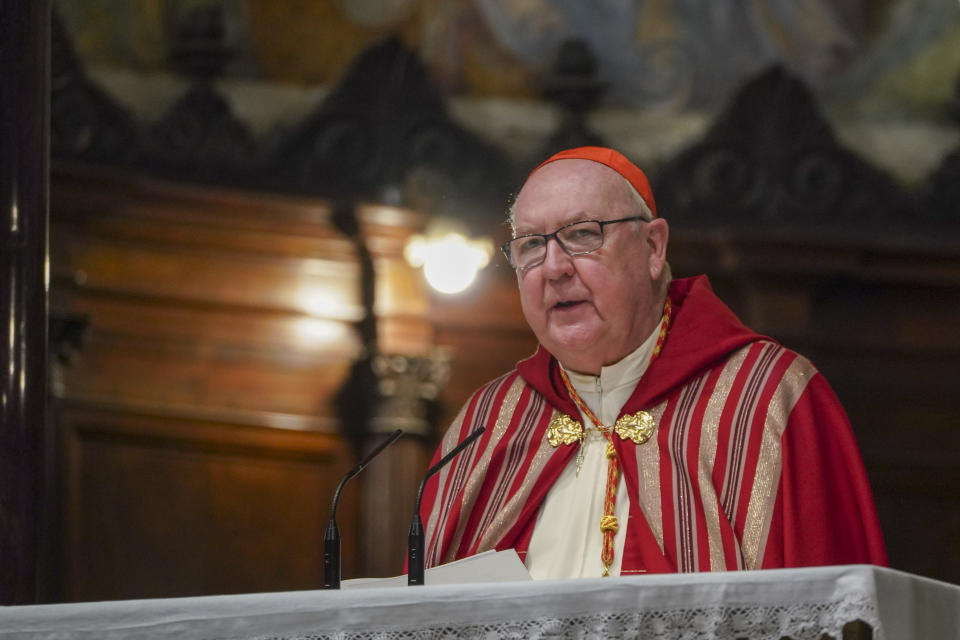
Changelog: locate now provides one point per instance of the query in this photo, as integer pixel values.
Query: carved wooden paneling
(772, 160)
(384, 132)
(201, 445)
(891, 350)
(162, 505)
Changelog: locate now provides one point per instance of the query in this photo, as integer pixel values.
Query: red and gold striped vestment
(752, 464)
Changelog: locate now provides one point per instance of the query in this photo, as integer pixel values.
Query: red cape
(756, 465)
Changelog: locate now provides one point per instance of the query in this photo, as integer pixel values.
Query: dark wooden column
(24, 109)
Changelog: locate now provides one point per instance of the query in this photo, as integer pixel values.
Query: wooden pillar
(24, 135)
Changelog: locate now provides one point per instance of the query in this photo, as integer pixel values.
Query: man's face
(589, 310)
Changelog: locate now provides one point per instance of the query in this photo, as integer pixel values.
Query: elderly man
(651, 431)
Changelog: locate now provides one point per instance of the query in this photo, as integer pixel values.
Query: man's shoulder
(768, 348)
(786, 372)
(498, 387)
(505, 395)
(507, 378)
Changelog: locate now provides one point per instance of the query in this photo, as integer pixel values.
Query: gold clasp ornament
(564, 430)
(638, 427)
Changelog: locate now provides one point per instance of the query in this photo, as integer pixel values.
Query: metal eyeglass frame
(505, 247)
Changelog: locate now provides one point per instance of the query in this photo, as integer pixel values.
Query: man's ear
(658, 234)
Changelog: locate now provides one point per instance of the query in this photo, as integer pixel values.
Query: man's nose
(557, 262)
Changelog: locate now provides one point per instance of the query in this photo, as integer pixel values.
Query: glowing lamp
(450, 260)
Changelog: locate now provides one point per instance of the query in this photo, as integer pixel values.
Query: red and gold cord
(608, 522)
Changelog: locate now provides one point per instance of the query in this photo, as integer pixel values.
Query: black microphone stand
(415, 543)
(331, 539)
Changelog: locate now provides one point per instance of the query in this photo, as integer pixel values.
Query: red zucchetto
(616, 161)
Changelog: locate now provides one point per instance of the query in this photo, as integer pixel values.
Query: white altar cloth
(798, 603)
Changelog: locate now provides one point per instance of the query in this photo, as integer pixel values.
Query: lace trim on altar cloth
(799, 621)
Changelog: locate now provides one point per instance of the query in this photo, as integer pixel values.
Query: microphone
(331, 539)
(415, 542)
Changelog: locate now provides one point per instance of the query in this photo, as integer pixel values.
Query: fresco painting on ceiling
(669, 54)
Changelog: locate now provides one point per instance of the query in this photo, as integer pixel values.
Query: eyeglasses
(585, 236)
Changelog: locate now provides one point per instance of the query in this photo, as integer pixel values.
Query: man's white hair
(641, 208)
